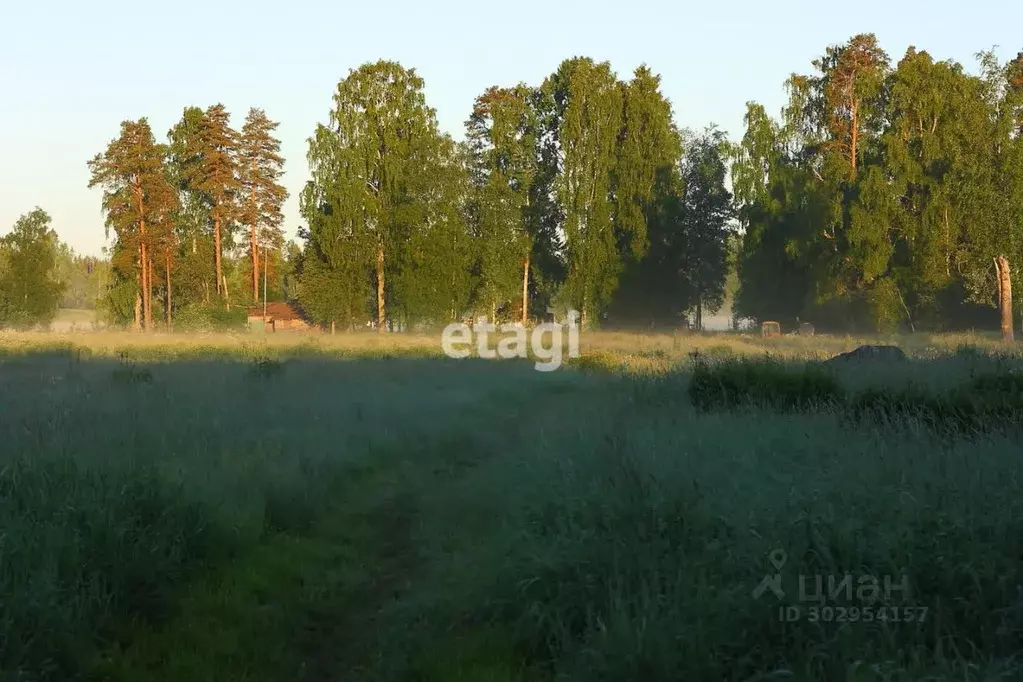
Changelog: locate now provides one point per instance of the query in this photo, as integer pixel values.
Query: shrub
(210, 318)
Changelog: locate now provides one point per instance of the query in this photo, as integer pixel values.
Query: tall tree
(29, 288)
(215, 173)
(366, 163)
(502, 133)
(649, 150)
(138, 201)
(587, 107)
(260, 167)
(646, 189)
(431, 283)
(851, 85)
(196, 266)
(707, 214)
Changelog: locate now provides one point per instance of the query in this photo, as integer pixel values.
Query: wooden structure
(279, 316)
(769, 329)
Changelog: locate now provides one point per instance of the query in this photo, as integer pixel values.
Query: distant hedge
(984, 403)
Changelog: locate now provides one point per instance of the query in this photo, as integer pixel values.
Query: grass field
(358, 507)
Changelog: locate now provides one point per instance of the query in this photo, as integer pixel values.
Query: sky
(70, 72)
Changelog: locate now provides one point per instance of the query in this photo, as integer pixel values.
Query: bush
(762, 382)
(210, 318)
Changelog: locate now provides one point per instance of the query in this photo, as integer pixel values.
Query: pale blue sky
(70, 72)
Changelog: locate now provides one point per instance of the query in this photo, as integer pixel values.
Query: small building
(280, 316)
(806, 329)
(769, 329)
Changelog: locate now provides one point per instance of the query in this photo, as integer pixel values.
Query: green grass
(356, 508)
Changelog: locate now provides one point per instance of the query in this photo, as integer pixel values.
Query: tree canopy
(879, 198)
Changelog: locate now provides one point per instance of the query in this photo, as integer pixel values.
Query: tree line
(882, 197)
(179, 210)
(885, 196)
(572, 194)
(557, 196)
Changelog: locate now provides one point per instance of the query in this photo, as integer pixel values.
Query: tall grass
(584, 524)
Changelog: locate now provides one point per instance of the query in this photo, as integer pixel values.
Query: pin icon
(778, 558)
(773, 582)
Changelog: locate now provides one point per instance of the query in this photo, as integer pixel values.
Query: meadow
(359, 507)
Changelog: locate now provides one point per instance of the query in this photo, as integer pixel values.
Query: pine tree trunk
(216, 252)
(227, 298)
(149, 289)
(1005, 297)
(144, 265)
(255, 264)
(137, 326)
(143, 274)
(141, 303)
(525, 291)
(381, 310)
(167, 300)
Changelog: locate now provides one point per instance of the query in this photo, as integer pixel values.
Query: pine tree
(260, 166)
(215, 173)
(138, 201)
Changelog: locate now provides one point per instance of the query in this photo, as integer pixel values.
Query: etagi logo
(457, 338)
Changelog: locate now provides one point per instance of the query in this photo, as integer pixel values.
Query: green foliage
(886, 305)
(705, 222)
(30, 290)
(200, 317)
(883, 195)
(384, 202)
(587, 105)
(83, 277)
(502, 136)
